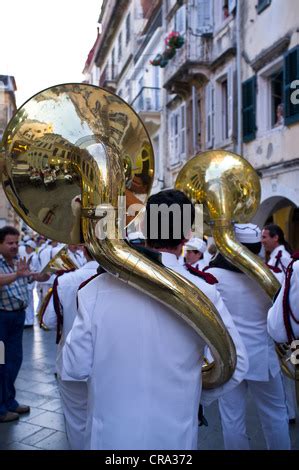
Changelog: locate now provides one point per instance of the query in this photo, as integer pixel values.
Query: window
(156, 147)
(276, 91)
(183, 130)
(177, 135)
(120, 46)
(113, 64)
(128, 26)
(291, 75)
(249, 109)
(224, 107)
(140, 93)
(225, 9)
(270, 100)
(262, 5)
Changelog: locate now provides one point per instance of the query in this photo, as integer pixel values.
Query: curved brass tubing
(100, 142)
(229, 188)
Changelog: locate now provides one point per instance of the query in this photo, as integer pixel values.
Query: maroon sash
(57, 304)
(208, 277)
(275, 268)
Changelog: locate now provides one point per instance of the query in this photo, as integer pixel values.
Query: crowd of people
(129, 370)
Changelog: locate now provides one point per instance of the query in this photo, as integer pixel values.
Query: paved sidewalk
(44, 427)
(36, 386)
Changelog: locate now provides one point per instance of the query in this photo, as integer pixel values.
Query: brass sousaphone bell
(104, 146)
(229, 188)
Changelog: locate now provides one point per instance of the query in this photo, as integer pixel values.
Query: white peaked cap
(248, 233)
(31, 243)
(196, 244)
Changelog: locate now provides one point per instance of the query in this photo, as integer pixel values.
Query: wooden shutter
(180, 20)
(230, 100)
(249, 109)
(231, 5)
(182, 131)
(209, 116)
(291, 74)
(204, 16)
(262, 4)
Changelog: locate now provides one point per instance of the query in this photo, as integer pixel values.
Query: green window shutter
(261, 5)
(291, 73)
(249, 109)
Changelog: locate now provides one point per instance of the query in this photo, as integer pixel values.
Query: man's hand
(22, 268)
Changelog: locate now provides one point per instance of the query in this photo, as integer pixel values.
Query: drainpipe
(163, 140)
(194, 120)
(239, 80)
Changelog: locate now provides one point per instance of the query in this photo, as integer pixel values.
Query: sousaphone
(229, 189)
(104, 146)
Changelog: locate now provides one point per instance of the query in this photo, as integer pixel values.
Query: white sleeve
(242, 365)
(78, 348)
(49, 317)
(275, 323)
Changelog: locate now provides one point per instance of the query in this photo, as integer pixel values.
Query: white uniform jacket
(276, 326)
(142, 363)
(283, 261)
(248, 305)
(68, 285)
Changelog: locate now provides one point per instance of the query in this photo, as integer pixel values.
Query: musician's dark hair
(169, 197)
(8, 230)
(274, 230)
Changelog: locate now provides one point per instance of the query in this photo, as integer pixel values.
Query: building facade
(206, 74)
(270, 68)
(7, 109)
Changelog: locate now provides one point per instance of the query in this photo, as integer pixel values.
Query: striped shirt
(13, 296)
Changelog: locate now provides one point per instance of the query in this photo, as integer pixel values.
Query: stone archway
(283, 212)
(269, 206)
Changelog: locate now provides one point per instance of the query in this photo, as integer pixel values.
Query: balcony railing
(147, 100)
(196, 50)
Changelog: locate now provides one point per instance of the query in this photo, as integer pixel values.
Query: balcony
(224, 43)
(147, 103)
(191, 60)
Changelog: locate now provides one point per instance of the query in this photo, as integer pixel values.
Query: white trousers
(29, 312)
(269, 398)
(290, 395)
(74, 406)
